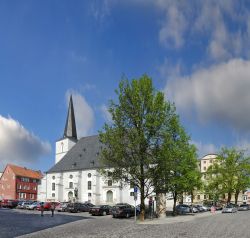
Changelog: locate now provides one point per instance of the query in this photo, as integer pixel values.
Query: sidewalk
(176, 219)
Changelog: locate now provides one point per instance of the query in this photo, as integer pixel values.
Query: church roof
(70, 127)
(83, 156)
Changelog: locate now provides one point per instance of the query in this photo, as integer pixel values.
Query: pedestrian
(52, 208)
(42, 209)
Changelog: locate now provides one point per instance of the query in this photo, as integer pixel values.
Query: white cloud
(84, 113)
(219, 93)
(212, 20)
(106, 114)
(204, 149)
(18, 145)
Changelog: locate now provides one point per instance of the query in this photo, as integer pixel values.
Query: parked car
(78, 207)
(100, 210)
(62, 207)
(26, 204)
(46, 206)
(89, 204)
(184, 209)
(229, 209)
(123, 211)
(9, 203)
(243, 207)
(32, 206)
(201, 208)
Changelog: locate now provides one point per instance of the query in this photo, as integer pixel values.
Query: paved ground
(201, 225)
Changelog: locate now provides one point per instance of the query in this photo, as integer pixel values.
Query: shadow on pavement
(13, 223)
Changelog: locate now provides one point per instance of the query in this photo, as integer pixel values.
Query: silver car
(243, 207)
(229, 209)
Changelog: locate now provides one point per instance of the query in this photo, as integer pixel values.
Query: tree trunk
(236, 196)
(161, 205)
(175, 200)
(192, 196)
(229, 195)
(142, 208)
(182, 199)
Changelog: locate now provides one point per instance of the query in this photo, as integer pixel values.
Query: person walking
(42, 209)
(52, 208)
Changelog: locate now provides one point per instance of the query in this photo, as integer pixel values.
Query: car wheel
(127, 215)
(104, 213)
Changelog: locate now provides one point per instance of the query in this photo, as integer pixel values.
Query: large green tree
(229, 174)
(178, 172)
(133, 139)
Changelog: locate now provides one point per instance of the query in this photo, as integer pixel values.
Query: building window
(109, 174)
(35, 188)
(53, 177)
(22, 195)
(89, 185)
(71, 176)
(34, 181)
(53, 195)
(205, 196)
(53, 186)
(198, 197)
(70, 184)
(89, 175)
(204, 168)
(20, 186)
(25, 180)
(204, 162)
(109, 182)
(132, 194)
(32, 196)
(89, 194)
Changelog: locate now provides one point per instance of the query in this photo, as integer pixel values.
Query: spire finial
(70, 127)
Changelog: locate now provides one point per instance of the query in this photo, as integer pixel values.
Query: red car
(46, 206)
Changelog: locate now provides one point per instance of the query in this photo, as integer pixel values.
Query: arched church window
(70, 185)
(89, 175)
(71, 176)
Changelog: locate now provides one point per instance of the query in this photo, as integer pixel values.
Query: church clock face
(62, 146)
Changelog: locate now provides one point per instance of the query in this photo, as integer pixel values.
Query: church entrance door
(110, 196)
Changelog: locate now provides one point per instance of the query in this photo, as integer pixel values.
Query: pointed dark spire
(70, 127)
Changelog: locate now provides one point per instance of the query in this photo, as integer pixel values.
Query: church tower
(69, 137)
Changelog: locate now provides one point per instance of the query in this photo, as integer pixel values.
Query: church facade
(75, 175)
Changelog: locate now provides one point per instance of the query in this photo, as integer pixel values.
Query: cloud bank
(219, 93)
(18, 145)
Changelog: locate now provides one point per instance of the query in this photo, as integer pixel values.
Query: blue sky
(196, 52)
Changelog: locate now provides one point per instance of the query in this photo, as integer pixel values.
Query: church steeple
(70, 127)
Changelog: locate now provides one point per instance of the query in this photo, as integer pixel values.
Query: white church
(75, 176)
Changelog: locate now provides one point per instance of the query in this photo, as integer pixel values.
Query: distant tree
(135, 136)
(229, 174)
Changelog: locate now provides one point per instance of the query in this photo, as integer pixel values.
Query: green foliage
(177, 162)
(229, 174)
(133, 140)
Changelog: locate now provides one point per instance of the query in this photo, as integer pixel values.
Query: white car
(32, 206)
(229, 209)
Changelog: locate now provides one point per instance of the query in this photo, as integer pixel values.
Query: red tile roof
(28, 173)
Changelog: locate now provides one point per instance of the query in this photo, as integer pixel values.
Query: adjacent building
(75, 175)
(201, 197)
(19, 183)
